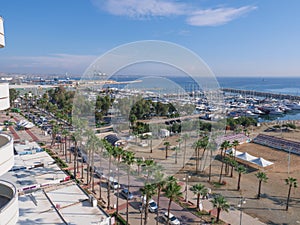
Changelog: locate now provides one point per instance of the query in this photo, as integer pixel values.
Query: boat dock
(262, 94)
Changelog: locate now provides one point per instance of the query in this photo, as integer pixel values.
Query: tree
(76, 137)
(166, 144)
(224, 146)
(147, 192)
(185, 137)
(160, 182)
(234, 144)
(129, 160)
(220, 203)
(118, 153)
(240, 169)
(109, 149)
(139, 162)
(172, 192)
(291, 182)
(198, 189)
(262, 177)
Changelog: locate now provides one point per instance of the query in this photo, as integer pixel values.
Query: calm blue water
(282, 85)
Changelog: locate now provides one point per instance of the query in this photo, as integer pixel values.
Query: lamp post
(186, 178)
(242, 201)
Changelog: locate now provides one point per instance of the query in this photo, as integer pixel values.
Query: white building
(9, 211)
(2, 41)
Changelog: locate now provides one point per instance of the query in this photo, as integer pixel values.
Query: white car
(113, 183)
(152, 207)
(172, 219)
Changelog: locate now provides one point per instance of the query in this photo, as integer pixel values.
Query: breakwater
(262, 94)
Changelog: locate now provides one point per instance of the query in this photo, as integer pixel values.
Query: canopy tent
(246, 156)
(261, 162)
(233, 152)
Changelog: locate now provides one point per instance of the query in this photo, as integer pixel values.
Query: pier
(262, 94)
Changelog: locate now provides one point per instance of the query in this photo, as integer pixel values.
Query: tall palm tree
(65, 134)
(224, 146)
(118, 153)
(76, 137)
(234, 144)
(240, 169)
(139, 162)
(262, 177)
(292, 182)
(149, 164)
(185, 137)
(220, 203)
(166, 144)
(160, 183)
(147, 192)
(198, 189)
(197, 146)
(129, 160)
(109, 149)
(172, 192)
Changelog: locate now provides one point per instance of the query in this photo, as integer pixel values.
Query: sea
(279, 85)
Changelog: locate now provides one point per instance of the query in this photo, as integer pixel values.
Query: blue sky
(235, 38)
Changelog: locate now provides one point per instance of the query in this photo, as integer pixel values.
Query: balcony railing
(6, 153)
(9, 211)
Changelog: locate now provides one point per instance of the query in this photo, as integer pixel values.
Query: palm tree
(198, 189)
(160, 183)
(172, 192)
(185, 137)
(76, 136)
(224, 146)
(118, 153)
(147, 192)
(109, 149)
(139, 162)
(197, 145)
(176, 149)
(65, 133)
(240, 169)
(149, 164)
(167, 144)
(234, 144)
(292, 182)
(129, 160)
(262, 177)
(220, 203)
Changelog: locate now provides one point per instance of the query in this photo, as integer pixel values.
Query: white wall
(4, 96)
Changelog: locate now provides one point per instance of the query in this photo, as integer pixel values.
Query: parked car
(172, 219)
(113, 183)
(126, 194)
(152, 207)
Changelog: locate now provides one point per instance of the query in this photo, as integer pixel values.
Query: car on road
(172, 219)
(152, 207)
(126, 194)
(113, 183)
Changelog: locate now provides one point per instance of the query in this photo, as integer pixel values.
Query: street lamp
(242, 201)
(186, 178)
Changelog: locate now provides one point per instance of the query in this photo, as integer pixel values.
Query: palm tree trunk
(218, 214)
(259, 189)
(128, 177)
(117, 210)
(198, 200)
(288, 198)
(146, 210)
(239, 181)
(158, 198)
(184, 154)
(169, 207)
(93, 172)
(108, 184)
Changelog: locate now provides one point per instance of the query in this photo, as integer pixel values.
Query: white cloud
(215, 17)
(195, 16)
(141, 8)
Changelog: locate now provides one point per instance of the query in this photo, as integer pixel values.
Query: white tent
(261, 162)
(246, 156)
(233, 151)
